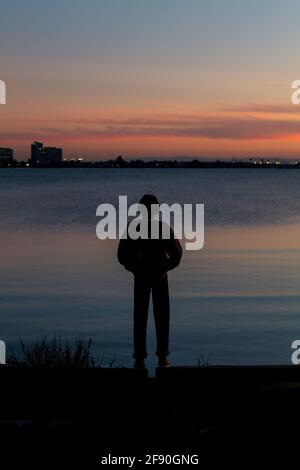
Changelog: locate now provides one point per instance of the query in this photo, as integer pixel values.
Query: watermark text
(2, 92)
(135, 221)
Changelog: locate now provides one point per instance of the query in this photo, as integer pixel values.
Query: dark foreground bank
(83, 415)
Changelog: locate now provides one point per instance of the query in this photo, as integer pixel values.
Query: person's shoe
(163, 362)
(139, 364)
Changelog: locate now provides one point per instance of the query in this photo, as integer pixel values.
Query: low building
(6, 155)
(41, 155)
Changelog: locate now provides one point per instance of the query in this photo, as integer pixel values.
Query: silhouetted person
(149, 260)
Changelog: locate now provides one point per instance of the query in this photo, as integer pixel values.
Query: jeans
(161, 309)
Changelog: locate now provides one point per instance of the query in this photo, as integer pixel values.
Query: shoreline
(123, 412)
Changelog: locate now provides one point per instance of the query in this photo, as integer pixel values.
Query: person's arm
(123, 250)
(126, 254)
(174, 251)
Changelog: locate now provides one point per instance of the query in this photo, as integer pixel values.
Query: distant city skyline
(44, 156)
(39, 153)
(207, 79)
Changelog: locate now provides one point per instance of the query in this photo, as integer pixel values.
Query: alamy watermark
(2, 92)
(188, 222)
(2, 352)
(295, 358)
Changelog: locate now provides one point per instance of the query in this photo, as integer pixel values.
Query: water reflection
(236, 301)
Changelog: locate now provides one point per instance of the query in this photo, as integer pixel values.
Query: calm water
(235, 302)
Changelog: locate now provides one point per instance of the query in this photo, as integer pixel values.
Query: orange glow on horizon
(216, 132)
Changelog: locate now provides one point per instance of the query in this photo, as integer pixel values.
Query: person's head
(148, 200)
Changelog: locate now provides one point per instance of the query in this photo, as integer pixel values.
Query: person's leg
(140, 317)
(161, 309)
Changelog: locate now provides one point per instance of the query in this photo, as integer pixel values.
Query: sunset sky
(205, 78)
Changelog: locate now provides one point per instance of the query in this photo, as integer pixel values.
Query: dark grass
(56, 353)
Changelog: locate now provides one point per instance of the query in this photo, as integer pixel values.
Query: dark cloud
(228, 127)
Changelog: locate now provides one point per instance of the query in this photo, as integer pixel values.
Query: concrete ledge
(30, 392)
(187, 374)
(109, 373)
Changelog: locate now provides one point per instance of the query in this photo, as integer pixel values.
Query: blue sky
(69, 58)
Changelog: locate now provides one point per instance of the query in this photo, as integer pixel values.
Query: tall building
(36, 149)
(6, 155)
(45, 155)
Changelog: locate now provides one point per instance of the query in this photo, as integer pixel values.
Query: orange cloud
(214, 128)
(238, 130)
